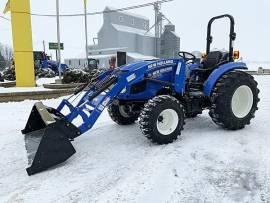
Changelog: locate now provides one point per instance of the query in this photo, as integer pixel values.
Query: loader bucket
(48, 138)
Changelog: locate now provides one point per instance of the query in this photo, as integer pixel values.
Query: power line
(4, 18)
(99, 12)
(166, 18)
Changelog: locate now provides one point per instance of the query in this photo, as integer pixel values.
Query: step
(196, 94)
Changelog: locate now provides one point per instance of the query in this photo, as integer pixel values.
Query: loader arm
(94, 100)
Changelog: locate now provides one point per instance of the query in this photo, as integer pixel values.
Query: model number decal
(158, 73)
(105, 102)
(131, 77)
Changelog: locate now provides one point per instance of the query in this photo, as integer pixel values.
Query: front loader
(160, 93)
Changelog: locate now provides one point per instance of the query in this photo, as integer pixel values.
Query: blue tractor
(160, 93)
(43, 61)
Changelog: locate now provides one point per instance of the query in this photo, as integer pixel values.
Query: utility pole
(58, 39)
(158, 26)
(86, 32)
(44, 47)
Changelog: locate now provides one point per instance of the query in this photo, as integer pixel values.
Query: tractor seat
(212, 60)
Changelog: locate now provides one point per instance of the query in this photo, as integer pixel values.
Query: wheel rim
(167, 121)
(242, 101)
(122, 111)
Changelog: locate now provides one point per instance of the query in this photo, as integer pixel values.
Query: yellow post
(22, 42)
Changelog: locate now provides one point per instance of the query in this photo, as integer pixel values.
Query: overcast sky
(190, 17)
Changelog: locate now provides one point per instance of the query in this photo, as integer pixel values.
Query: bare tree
(2, 59)
(7, 55)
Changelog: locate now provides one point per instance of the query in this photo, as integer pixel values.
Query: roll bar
(232, 34)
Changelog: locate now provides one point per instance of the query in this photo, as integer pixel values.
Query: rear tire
(234, 100)
(162, 119)
(120, 115)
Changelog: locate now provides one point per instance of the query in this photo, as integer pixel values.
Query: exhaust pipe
(48, 137)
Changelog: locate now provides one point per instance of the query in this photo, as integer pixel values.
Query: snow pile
(41, 81)
(39, 87)
(117, 164)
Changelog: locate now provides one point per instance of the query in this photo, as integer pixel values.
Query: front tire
(234, 100)
(162, 119)
(123, 114)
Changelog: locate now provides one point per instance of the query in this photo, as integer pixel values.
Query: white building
(128, 32)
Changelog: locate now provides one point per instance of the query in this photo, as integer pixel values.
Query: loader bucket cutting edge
(47, 139)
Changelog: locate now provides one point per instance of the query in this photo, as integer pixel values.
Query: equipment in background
(93, 64)
(43, 61)
(121, 58)
(80, 75)
(157, 92)
(83, 75)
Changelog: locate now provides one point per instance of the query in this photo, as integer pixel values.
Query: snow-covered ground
(118, 164)
(39, 83)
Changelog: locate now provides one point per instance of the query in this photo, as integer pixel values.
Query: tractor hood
(152, 64)
(135, 65)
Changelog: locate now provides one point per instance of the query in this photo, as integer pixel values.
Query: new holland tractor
(43, 61)
(161, 94)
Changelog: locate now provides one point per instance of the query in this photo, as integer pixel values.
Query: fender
(217, 73)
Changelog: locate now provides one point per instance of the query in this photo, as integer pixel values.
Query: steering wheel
(187, 56)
